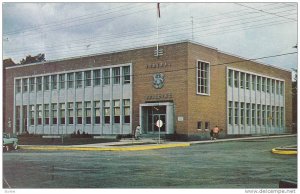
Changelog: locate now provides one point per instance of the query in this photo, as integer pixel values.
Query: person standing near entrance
(137, 132)
(214, 132)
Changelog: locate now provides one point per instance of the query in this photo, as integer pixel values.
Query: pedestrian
(137, 132)
(215, 131)
(211, 134)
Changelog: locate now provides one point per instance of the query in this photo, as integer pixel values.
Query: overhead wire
(203, 26)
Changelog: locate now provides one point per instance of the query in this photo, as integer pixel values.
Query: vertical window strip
(97, 77)
(116, 75)
(126, 109)
(116, 111)
(31, 84)
(71, 113)
(126, 74)
(88, 78)
(203, 71)
(106, 107)
(88, 112)
(97, 112)
(62, 81)
(79, 112)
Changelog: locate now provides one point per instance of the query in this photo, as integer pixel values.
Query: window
(199, 125)
(25, 85)
(273, 86)
(269, 118)
(116, 111)
(126, 108)
(97, 77)
(206, 125)
(248, 109)
(253, 113)
(39, 83)
(253, 82)
(88, 78)
(116, 75)
(79, 112)
(70, 80)
(281, 88)
(277, 87)
(54, 82)
(242, 111)
(71, 113)
(31, 114)
(106, 76)
(230, 113)
(18, 115)
(263, 115)
(46, 114)
(18, 86)
(78, 79)
(236, 79)
(282, 116)
(248, 81)
(273, 116)
(203, 72)
(97, 112)
(258, 83)
(31, 84)
(230, 72)
(268, 85)
(46, 83)
(126, 75)
(62, 81)
(62, 112)
(106, 107)
(242, 80)
(258, 114)
(263, 86)
(39, 114)
(54, 113)
(236, 113)
(88, 112)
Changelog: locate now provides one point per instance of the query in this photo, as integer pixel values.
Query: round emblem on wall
(158, 80)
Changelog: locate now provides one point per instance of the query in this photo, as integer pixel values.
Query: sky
(62, 30)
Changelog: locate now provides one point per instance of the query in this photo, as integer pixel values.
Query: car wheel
(15, 145)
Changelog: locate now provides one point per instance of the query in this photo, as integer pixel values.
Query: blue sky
(60, 30)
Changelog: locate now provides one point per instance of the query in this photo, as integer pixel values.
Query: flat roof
(143, 47)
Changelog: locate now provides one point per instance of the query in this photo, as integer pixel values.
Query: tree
(35, 59)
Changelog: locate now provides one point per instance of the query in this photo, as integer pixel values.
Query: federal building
(189, 86)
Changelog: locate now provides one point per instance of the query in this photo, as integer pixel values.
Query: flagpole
(158, 14)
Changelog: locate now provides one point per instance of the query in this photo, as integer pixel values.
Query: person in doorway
(137, 132)
(215, 132)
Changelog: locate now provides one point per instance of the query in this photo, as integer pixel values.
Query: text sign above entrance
(159, 123)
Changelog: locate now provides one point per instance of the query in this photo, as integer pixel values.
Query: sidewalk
(137, 145)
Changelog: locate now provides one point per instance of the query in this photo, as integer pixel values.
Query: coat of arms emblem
(158, 80)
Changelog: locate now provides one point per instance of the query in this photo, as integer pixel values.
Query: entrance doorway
(156, 113)
(150, 113)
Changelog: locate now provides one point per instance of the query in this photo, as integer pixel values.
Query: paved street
(240, 164)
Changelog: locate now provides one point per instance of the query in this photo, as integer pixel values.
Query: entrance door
(156, 113)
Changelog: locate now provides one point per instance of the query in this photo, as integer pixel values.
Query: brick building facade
(190, 87)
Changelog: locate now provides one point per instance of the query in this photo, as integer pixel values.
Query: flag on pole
(158, 10)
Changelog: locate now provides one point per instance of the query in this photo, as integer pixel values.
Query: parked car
(9, 142)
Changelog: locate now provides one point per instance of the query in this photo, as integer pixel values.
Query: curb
(135, 148)
(289, 150)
